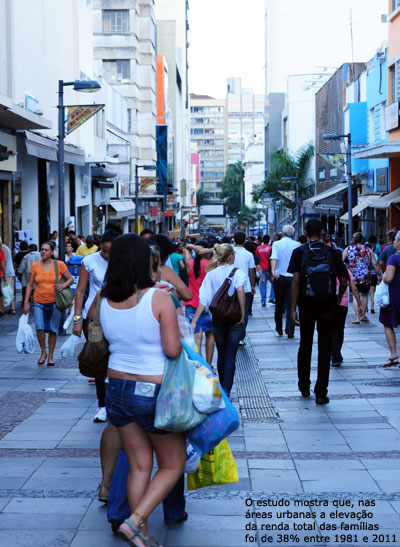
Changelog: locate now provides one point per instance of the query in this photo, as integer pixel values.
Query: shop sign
(392, 116)
(153, 210)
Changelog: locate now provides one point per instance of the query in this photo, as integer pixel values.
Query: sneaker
(264, 305)
(91, 381)
(337, 364)
(271, 300)
(372, 310)
(322, 400)
(242, 343)
(101, 415)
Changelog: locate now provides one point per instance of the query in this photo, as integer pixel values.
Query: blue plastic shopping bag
(217, 426)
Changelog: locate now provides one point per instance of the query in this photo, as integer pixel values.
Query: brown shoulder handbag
(224, 307)
(93, 359)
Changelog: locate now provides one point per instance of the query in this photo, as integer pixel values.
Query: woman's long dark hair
(199, 258)
(128, 269)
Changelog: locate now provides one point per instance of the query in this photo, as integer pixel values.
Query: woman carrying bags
(47, 315)
(141, 326)
(227, 335)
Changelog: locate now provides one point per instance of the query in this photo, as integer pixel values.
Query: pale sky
(227, 39)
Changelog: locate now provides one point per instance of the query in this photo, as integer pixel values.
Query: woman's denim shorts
(128, 401)
(47, 317)
(204, 322)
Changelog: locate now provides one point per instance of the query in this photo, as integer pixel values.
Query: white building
(253, 166)
(298, 117)
(245, 119)
(124, 54)
(39, 53)
(172, 43)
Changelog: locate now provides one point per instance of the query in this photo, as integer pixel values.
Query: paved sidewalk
(310, 467)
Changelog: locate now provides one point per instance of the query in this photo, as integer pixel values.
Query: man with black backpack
(315, 267)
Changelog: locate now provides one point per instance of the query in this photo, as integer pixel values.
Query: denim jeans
(118, 505)
(263, 287)
(246, 314)
(227, 339)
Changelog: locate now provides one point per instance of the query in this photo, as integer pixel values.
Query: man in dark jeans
(315, 309)
(282, 279)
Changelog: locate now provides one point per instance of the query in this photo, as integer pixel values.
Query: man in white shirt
(245, 261)
(282, 279)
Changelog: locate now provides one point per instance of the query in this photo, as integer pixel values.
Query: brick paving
(347, 451)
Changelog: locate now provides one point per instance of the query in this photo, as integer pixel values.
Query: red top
(195, 284)
(264, 252)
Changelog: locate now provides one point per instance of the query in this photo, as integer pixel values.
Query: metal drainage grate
(254, 402)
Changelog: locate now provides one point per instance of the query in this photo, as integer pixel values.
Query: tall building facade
(245, 119)
(208, 133)
(172, 43)
(124, 54)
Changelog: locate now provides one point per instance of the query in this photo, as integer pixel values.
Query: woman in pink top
(340, 319)
(197, 268)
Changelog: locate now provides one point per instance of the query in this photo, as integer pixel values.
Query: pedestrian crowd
(143, 287)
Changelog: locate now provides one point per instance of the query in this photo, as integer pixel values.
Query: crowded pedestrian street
(287, 448)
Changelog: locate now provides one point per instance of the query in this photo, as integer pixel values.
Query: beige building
(124, 54)
(208, 132)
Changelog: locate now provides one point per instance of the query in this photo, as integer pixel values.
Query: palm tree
(284, 164)
(233, 188)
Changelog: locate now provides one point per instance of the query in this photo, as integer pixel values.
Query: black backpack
(318, 271)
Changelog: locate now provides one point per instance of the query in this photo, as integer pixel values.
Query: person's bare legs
(144, 496)
(198, 338)
(372, 297)
(110, 446)
(52, 345)
(391, 340)
(364, 302)
(210, 343)
(355, 307)
(41, 336)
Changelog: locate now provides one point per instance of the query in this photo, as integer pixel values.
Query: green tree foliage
(200, 199)
(233, 188)
(284, 164)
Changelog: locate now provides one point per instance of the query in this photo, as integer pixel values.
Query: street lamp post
(79, 85)
(296, 179)
(137, 167)
(334, 137)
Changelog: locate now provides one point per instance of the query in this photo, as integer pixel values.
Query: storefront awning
(385, 201)
(15, 117)
(123, 208)
(382, 150)
(45, 147)
(316, 202)
(367, 202)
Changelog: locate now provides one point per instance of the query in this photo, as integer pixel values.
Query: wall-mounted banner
(337, 160)
(288, 194)
(79, 114)
(145, 182)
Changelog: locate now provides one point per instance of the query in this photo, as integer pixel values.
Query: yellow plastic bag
(216, 467)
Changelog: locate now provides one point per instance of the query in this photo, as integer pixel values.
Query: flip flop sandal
(42, 361)
(355, 322)
(365, 319)
(51, 364)
(391, 362)
(124, 534)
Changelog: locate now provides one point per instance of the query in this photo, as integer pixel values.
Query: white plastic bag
(207, 396)
(6, 293)
(25, 340)
(186, 331)
(382, 297)
(192, 458)
(68, 348)
(67, 322)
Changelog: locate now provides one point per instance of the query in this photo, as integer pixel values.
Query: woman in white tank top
(141, 326)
